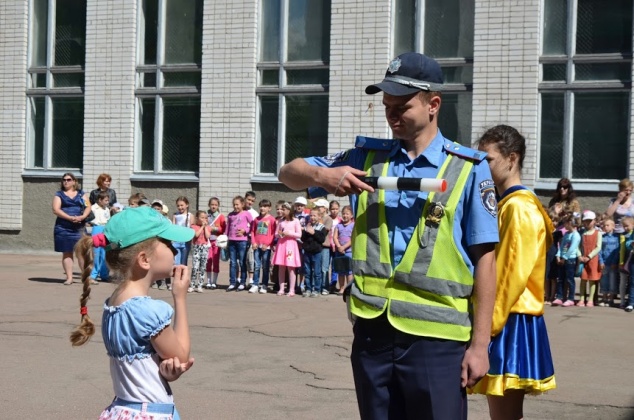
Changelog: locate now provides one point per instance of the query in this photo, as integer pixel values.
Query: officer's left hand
(475, 365)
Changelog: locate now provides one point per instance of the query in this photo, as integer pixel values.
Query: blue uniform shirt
(478, 221)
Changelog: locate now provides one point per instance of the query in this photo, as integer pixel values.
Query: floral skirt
(125, 410)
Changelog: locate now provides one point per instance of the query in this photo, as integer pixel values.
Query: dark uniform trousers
(401, 376)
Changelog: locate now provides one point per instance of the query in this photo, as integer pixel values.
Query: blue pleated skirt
(519, 358)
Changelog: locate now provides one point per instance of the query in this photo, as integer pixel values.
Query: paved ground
(265, 357)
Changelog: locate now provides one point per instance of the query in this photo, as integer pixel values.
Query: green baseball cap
(134, 225)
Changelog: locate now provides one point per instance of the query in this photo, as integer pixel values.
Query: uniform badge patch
(337, 157)
(487, 197)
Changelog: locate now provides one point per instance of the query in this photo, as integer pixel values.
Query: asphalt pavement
(265, 356)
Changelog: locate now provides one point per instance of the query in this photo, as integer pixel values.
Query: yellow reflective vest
(428, 293)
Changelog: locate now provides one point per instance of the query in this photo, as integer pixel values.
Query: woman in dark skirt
(70, 205)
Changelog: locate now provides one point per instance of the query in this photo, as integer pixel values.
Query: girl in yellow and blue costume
(519, 353)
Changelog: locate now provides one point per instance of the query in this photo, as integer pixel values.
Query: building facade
(207, 98)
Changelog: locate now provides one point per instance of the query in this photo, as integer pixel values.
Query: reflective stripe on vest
(426, 287)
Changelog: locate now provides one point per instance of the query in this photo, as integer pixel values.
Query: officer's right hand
(343, 180)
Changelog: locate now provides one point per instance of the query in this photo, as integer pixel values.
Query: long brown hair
(119, 261)
(558, 198)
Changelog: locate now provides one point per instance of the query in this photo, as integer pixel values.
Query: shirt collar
(432, 153)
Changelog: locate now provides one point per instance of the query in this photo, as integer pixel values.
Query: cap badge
(394, 65)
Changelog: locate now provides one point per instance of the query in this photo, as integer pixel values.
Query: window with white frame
(442, 29)
(168, 86)
(586, 74)
(293, 78)
(55, 84)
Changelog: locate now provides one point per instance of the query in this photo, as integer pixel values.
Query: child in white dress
(144, 346)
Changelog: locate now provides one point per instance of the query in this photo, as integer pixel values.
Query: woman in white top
(622, 205)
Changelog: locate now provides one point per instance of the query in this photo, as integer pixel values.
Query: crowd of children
(586, 247)
(304, 249)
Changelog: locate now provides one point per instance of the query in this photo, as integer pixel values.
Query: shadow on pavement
(46, 280)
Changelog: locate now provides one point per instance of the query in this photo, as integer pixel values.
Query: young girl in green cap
(145, 338)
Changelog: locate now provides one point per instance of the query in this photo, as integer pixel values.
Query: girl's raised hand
(181, 281)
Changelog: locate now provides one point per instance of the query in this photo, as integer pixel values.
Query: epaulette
(370, 143)
(464, 151)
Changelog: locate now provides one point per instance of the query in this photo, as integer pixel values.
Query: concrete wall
(360, 51)
(168, 192)
(109, 93)
(228, 102)
(13, 50)
(506, 76)
(37, 233)
(506, 71)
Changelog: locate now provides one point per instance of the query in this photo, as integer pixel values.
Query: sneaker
(169, 287)
(610, 303)
(629, 308)
(325, 292)
(231, 287)
(241, 287)
(314, 294)
(162, 287)
(581, 304)
(199, 289)
(212, 286)
(603, 304)
(190, 289)
(590, 304)
(547, 302)
(154, 286)
(253, 289)
(263, 290)
(557, 302)
(568, 303)
(207, 286)
(305, 294)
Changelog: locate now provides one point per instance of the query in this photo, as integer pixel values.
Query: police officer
(424, 263)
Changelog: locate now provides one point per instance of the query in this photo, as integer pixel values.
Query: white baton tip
(433, 184)
(387, 183)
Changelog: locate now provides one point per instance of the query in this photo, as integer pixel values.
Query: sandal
(290, 294)
(68, 282)
(280, 293)
(93, 281)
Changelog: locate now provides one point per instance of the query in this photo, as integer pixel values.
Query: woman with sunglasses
(565, 200)
(71, 208)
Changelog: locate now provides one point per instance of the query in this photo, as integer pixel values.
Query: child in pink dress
(218, 225)
(287, 251)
